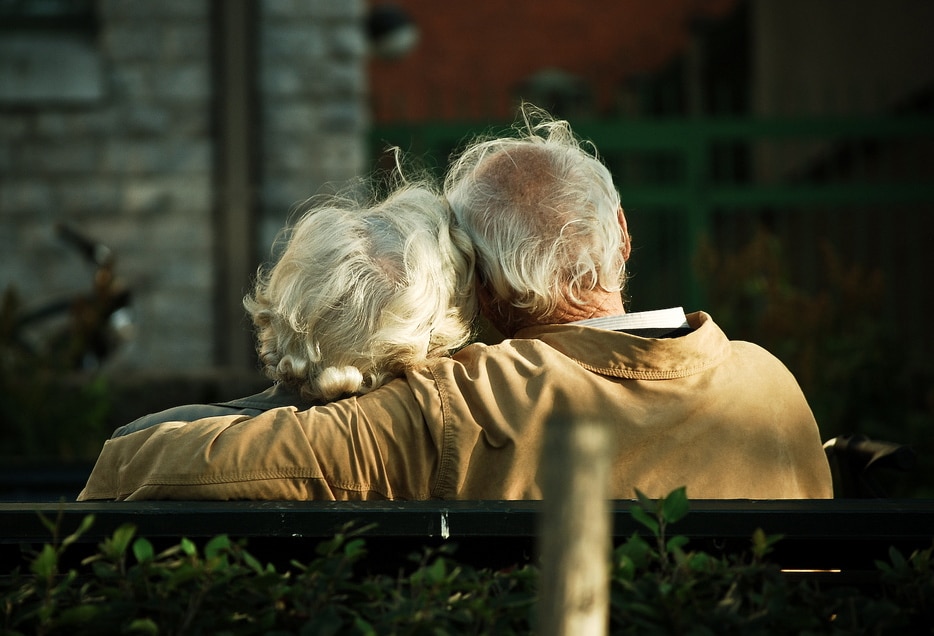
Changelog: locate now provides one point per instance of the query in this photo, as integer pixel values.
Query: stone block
(183, 83)
(347, 116)
(152, 197)
(186, 42)
(131, 83)
(25, 198)
(86, 123)
(297, 119)
(146, 118)
(124, 43)
(194, 120)
(6, 159)
(336, 80)
(293, 44)
(15, 126)
(58, 157)
(282, 81)
(347, 40)
(153, 156)
(88, 197)
(166, 352)
(146, 10)
(319, 9)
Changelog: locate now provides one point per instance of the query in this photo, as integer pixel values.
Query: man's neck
(607, 304)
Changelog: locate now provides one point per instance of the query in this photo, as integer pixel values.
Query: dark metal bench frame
(845, 535)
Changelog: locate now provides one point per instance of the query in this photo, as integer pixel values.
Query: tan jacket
(725, 419)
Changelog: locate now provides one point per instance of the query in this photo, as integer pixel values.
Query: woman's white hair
(361, 293)
(542, 212)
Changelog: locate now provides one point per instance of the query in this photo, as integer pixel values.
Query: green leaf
(143, 550)
(325, 623)
(699, 561)
(647, 504)
(144, 626)
(675, 506)
(116, 546)
(762, 543)
(643, 517)
(625, 568)
(188, 547)
(252, 562)
(355, 548)
(79, 614)
(217, 545)
(51, 526)
(83, 527)
(184, 573)
(636, 549)
(46, 562)
(437, 571)
(364, 627)
(676, 543)
(898, 560)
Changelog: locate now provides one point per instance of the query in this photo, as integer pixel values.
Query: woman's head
(361, 293)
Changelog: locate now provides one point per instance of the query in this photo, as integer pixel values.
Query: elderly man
(687, 406)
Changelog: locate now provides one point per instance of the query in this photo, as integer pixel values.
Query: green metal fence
(862, 185)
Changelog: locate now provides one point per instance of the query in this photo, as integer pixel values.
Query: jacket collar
(623, 355)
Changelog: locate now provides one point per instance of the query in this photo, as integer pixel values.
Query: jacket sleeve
(378, 446)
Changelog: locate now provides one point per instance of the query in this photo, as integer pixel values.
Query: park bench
(840, 538)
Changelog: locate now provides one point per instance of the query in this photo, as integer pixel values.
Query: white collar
(672, 318)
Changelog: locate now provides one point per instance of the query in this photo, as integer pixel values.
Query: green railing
(863, 184)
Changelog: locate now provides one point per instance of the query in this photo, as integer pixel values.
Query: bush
(51, 411)
(860, 373)
(658, 587)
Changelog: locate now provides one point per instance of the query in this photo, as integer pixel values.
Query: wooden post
(236, 120)
(575, 531)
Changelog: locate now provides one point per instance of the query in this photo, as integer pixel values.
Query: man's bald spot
(524, 175)
(524, 179)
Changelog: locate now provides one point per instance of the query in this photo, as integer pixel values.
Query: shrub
(860, 373)
(658, 587)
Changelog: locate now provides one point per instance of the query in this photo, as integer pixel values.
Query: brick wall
(472, 57)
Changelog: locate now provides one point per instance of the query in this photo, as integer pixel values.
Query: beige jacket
(725, 419)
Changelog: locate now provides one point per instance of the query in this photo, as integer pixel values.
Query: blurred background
(775, 161)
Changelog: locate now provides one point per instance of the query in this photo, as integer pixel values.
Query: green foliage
(49, 411)
(859, 373)
(658, 586)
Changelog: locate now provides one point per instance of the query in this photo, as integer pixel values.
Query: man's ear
(627, 242)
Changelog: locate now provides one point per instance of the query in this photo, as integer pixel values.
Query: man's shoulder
(510, 349)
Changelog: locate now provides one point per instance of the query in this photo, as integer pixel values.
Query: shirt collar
(673, 318)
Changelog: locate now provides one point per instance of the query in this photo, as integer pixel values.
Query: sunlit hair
(541, 209)
(361, 293)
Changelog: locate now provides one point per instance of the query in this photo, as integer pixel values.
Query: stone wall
(134, 167)
(313, 110)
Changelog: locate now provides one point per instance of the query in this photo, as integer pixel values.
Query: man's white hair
(543, 214)
(362, 293)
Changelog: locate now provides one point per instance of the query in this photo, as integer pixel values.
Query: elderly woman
(358, 295)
